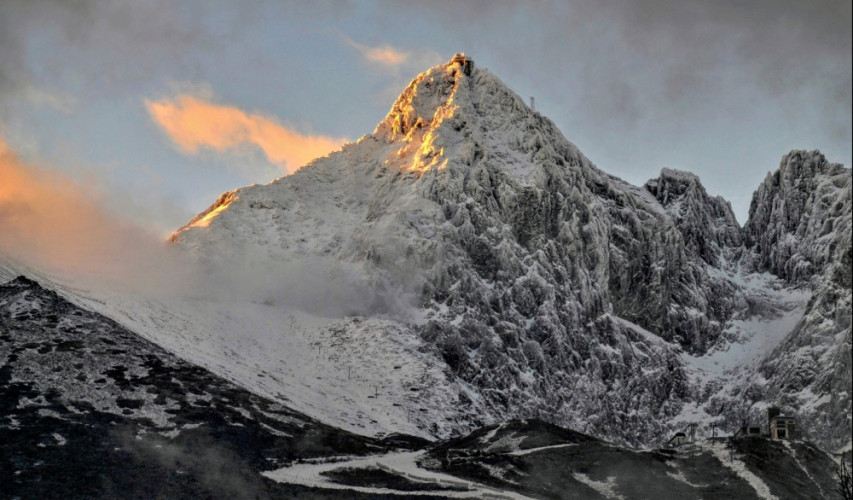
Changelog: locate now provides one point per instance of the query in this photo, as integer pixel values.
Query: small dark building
(781, 426)
(677, 440)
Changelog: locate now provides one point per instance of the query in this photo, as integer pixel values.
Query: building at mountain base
(781, 426)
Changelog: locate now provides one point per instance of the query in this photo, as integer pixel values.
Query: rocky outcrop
(798, 217)
(706, 223)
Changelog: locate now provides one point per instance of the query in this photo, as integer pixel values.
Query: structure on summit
(466, 62)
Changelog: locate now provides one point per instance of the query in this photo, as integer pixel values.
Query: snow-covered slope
(465, 264)
(89, 409)
(535, 274)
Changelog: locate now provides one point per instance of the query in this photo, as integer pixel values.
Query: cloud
(60, 101)
(96, 48)
(193, 123)
(56, 223)
(382, 54)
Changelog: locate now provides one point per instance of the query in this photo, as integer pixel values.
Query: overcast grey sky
(720, 88)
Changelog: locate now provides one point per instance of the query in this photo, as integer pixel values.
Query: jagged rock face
(797, 216)
(523, 254)
(706, 223)
(712, 237)
(800, 230)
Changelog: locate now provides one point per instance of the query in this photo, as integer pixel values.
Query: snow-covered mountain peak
(452, 114)
(535, 281)
(426, 101)
(534, 274)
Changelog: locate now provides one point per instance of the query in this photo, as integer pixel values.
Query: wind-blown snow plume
(54, 223)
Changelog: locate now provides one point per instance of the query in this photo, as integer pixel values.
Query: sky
(138, 114)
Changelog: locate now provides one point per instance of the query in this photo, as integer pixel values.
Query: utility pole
(532, 103)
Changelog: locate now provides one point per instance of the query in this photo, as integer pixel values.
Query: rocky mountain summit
(476, 267)
(549, 288)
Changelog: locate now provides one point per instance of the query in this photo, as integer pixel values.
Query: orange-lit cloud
(192, 123)
(52, 222)
(382, 54)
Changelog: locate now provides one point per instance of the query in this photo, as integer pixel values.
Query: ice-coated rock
(549, 287)
(800, 229)
(798, 216)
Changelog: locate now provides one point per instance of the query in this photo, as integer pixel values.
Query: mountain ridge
(514, 278)
(519, 252)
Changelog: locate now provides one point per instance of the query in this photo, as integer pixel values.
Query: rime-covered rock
(800, 230)
(798, 217)
(707, 224)
(548, 287)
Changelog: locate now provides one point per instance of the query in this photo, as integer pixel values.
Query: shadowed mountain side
(89, 409)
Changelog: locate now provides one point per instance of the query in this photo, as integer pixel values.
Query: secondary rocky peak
(707, 223)
(671, 184)
(800, 165)
(794, 213)
(798, 175)
(21, 282)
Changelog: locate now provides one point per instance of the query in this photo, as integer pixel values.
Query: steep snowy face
(536, 276)
(800, 229)
(512, 185)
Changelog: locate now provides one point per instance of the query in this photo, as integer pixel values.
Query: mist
(57, 225)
